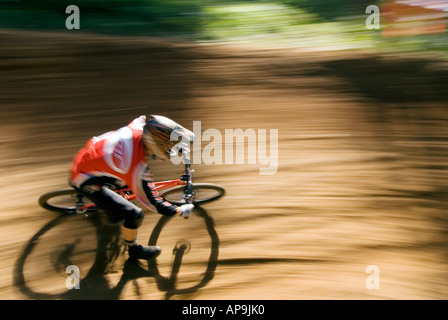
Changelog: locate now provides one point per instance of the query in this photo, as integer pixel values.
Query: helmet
(161, 134)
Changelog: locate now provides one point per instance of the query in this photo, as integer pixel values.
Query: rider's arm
(163, 207)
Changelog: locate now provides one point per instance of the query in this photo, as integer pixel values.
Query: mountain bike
(95, 247)
(178, 192)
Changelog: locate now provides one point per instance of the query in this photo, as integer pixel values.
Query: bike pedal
(79, 209)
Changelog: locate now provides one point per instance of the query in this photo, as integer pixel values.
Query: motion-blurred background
(359, 98)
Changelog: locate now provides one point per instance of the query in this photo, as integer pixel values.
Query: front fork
(188, 189)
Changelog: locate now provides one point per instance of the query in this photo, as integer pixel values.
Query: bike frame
(157, 186)
(184, 180)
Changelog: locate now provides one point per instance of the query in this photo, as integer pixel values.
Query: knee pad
(134, 219)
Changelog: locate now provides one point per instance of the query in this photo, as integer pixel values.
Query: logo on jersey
(118, 150)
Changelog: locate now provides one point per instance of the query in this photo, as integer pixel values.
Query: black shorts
(98, 190)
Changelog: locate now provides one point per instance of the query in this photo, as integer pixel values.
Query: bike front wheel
(65, 201)
(202, 193)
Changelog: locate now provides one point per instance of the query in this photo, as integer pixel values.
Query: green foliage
(315, 23)
(136, 17)
(249, 19)
(331, 10)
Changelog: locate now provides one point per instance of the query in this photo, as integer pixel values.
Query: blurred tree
(144, 17)
(331, 9)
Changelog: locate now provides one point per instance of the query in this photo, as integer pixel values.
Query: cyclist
(120, 158)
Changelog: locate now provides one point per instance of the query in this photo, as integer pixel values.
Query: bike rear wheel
(65, 201)
(202, 193)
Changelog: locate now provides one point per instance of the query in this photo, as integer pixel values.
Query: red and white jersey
(118, 154)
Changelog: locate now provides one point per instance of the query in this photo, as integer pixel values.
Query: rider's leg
(129, 235)
(118, 210)
(133, 219)
(129, 230)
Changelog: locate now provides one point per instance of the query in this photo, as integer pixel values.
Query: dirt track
(361, 178)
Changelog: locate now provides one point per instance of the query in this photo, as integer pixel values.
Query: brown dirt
(361, 178)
